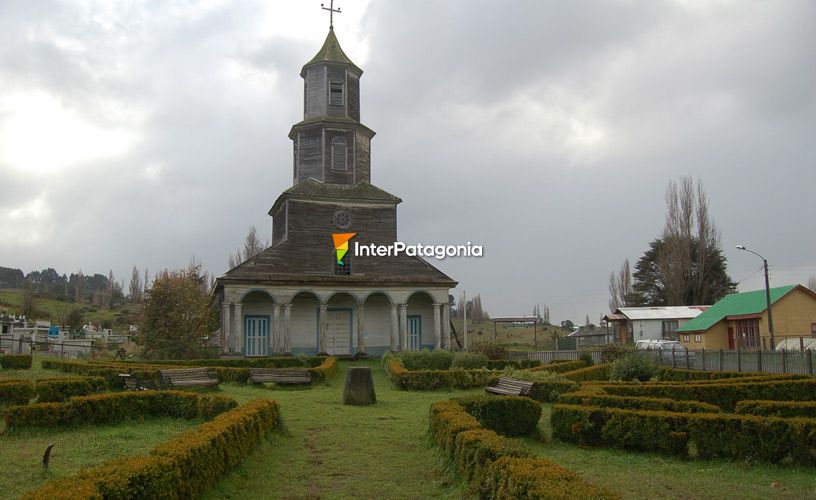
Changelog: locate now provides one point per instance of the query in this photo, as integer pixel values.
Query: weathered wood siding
(337, 75)
(315, 92)
(303, 329)
(310, 158)
(353, 94)
(362, 157)
(334, 176)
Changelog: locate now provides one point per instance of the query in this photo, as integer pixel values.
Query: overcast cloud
(146, 132)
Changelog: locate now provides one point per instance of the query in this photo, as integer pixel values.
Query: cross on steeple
(331, 10)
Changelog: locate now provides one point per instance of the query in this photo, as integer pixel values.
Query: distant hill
(98, 289)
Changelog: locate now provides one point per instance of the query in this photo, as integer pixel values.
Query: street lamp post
(767, 294)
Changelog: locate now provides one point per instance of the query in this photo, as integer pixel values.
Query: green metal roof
(330, 52)
(735, 304)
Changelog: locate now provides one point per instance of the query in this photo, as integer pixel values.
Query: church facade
(303, 296)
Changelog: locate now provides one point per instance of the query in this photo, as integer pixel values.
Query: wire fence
(66, 349)
(793, 362)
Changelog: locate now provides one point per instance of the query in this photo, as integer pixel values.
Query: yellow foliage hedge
(182, 468)
(498, 467)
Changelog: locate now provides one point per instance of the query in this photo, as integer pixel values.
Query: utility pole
(767, 294)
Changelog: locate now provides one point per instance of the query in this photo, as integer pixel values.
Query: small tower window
(336, 94)
(338, 153)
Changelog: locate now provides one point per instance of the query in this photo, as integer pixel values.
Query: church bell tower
(330, 144)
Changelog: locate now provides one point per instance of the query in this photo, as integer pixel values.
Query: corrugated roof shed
(734, 305)
(662, 312)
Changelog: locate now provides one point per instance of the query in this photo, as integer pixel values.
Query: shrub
(507, 415)
(611, 352)
(586, 358)
(116, 407)
(712, 435)
(422, 380)
(725, 395)
(492, 349)
(183, 467)
(566, 366)
(469, 360)
(60, 389)
(501, 364)
(325, 370)
(778, 408)
(15, 361)
(18, 392)
(633, 367)
(635, 403)
(594, 372)
(426, 360)
(497, 467)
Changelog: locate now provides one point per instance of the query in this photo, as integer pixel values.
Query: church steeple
(330, 144)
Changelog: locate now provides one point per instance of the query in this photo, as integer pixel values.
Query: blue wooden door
(256, 335)
(414, 332)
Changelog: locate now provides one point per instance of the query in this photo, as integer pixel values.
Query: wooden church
(298, 296)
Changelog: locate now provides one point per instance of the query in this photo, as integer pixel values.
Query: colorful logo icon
(341, 245)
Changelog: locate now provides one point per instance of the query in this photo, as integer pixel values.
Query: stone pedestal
(359, 390)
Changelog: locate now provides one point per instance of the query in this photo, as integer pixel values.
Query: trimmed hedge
(60, 389)
(17, 392)
(561, 367)
(116, 407)
(787, 409)
(182, 468)
(15, 361)
(713, 435)
(636, 403)
(325, 370)
(110, 371)
(266, 362)
(724, 395)
(594, 372)
(682, 374)
(498, 467)
(507, 415)
(423, 380)
(550, 390)
(501, 364)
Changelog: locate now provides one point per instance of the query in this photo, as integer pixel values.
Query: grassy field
(11, 301)
(517, 339)
(21, 452)
(647, 475)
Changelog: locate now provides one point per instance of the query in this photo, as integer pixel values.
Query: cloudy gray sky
(146, 132)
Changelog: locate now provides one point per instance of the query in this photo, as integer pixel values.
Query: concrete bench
(187, 377)
(280, 376)
(510, 387)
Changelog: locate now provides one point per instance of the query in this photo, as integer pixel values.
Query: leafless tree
(253, 245)
(620, 285)
(135, 289)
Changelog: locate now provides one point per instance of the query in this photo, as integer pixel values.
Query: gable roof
(662, 312)
(736, 304)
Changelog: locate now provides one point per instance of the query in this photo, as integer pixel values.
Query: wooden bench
(187, 377)
(136, 383)
(280, 376)
(510, 387)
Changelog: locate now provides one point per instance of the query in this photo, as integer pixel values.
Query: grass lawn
(648, 475)
(336, 451)
(21, 451)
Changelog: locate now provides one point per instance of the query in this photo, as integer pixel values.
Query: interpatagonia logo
(341, 245)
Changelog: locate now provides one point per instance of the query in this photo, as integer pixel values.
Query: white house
(631, 324)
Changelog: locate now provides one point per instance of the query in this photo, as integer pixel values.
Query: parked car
(666, 348)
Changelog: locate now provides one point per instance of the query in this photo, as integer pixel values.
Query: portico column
(403, 328)
(324, 327)
(436, 324)
(276, 333)
(287, 328)
(394, 328)
(360, 329)
(239, 327)
(226, 345)
(446, 337)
